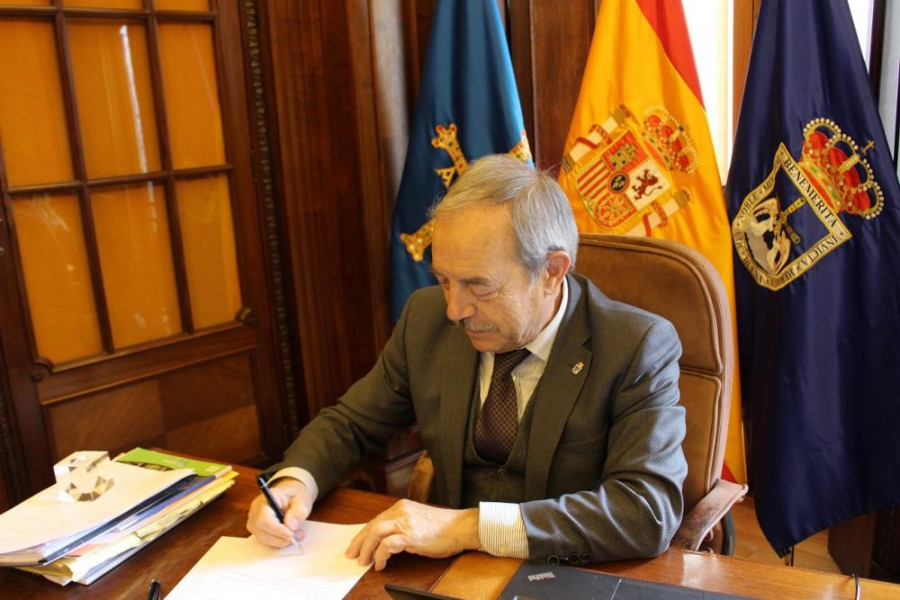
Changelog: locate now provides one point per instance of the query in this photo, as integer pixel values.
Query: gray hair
(539, 210)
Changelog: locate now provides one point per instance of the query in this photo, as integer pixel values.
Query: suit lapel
(460, 369)
(557, 391)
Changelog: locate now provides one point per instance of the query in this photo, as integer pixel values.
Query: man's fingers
(355, 544)
(297, 511)
(262, 523)
(374, 532)
(259, 514)
(415, 528)
(270, 539)
(295, 500)
(389, 546)
(363, 546)
(270, 533)
(281, 532)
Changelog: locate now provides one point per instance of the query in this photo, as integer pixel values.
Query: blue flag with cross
(467, 107)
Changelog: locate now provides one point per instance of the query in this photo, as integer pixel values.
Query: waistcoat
(486, 481)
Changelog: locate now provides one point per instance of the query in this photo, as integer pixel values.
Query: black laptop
(538, 581)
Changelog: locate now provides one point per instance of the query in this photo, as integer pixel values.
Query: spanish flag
(639, 158)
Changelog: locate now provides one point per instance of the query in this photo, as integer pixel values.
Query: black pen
(264, 488)
(155, 591)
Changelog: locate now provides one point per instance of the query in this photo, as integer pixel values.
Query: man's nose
(459, 304)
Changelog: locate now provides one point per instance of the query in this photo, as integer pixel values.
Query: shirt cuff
(302, 475)
(501, 529)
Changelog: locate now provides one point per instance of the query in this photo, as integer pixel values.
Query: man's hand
(417, 529)
(295, 500)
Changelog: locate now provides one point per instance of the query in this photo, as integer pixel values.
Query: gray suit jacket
(604, 465)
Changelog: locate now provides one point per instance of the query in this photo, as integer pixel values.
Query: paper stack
(66, 540)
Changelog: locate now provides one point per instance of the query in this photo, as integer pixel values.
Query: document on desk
(247, 568)
(48, 520)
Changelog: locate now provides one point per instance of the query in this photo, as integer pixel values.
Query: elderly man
(551, 412)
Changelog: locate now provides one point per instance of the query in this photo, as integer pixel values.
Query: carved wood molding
(266, 189)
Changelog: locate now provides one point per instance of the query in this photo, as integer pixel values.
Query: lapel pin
(577, 368)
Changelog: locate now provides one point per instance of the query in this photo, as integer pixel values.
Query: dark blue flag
(468, 106)
(813, 201)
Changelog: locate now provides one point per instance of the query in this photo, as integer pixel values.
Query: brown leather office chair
(676, 282)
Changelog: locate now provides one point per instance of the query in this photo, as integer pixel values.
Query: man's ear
(558, 263)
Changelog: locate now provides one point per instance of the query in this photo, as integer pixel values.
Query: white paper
(247, 568)
(45, 517)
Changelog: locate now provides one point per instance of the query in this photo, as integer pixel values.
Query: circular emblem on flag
(618, 182)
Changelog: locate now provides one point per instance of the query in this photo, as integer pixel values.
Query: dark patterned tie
(499, 418)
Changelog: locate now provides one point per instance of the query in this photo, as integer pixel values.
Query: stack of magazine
(80, 541)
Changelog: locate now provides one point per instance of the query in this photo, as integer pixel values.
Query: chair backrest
(676, 282)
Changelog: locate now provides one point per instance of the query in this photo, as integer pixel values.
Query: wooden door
(134, 281)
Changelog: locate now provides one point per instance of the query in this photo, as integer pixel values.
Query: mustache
(468, 325)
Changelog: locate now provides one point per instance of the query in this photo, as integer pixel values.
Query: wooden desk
(472, 575)
(171, 556)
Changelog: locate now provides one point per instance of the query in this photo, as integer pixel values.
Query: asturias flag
(813, 200)
(468, 106)
(639, 158)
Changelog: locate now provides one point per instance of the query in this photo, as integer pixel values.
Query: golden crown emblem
(833, 161)
(668, 137)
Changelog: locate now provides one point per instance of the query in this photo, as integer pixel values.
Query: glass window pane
(207, 234)
(136, 4)
(115, 97)
(202, 5)
(136, 260)
(33, 130)
(192, 96)
(57, 276)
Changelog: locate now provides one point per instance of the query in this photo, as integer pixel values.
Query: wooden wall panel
(114, 420)
(330, 167)
(12, 475)
(25, 456)
(561, 38)
(231, 437)
(745, 14)
(379, 77)
(8, 446)
(419, 15)
(205, 410)
(185, 396)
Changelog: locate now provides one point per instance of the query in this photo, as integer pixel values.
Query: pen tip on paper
(297, 545)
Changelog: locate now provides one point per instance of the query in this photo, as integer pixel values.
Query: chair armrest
(421, 479)
(696, 525)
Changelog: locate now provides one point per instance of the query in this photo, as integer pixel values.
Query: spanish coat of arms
(622, 170)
